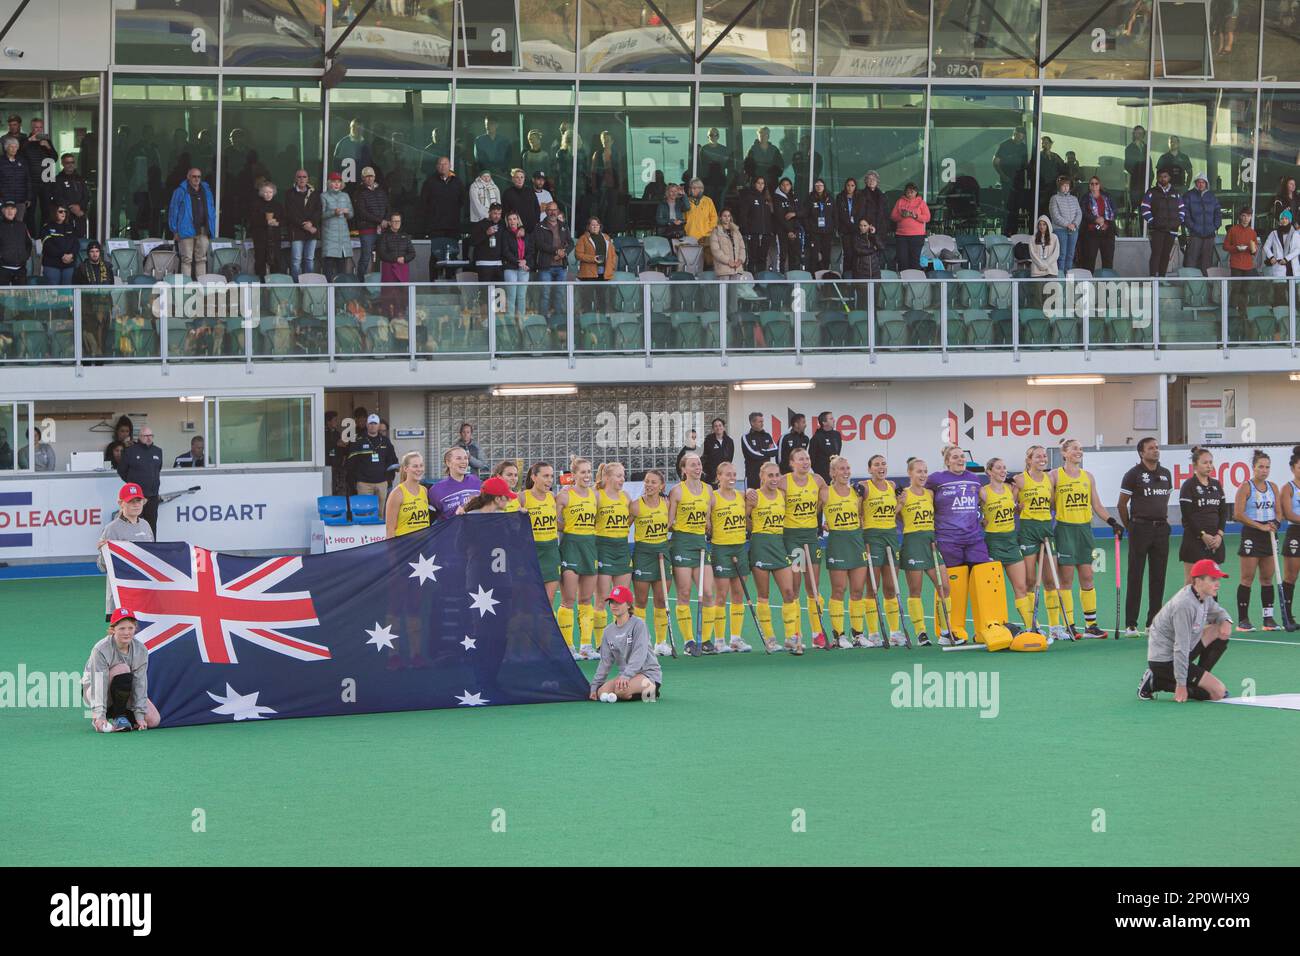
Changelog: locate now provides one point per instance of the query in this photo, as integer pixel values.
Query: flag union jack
(172, 603)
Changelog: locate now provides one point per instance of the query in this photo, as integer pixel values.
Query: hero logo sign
(1017, 423)
(881, 427)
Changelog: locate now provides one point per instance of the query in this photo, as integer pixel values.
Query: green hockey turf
(748, 759)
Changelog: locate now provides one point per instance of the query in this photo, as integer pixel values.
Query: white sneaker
(1060, 633)
(794, 645)
(663, 650)
(723, 647)
(860, 640)
(844, 642)
(739, 646)
(874, 640)
(1131, 632)
(577, 654)
(609, 698)
(589, 652)
(897, 639)
(950, 640)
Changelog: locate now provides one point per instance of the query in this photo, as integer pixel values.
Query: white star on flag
(240, 706)
(425, 569)
(381, 637)
(471, 700)
(468, 643)
(483, 602)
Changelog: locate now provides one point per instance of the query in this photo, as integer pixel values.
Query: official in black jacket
(141, 464)
(824, 445)
(15, 245)
(718, 447)
(370, 462)
(487, 237)
(443, 198)
(302, 212)
(848, 210)
(754, 217)
(520, 197)
(70, 191)
(785, 222)
(792, 441)
(874, 208)
(758, 447)
(818, 227)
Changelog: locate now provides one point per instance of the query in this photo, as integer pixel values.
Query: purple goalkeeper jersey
(449, 494)
(956, 507)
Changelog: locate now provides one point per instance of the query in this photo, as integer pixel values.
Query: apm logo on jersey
(805, 508)
(733, 521)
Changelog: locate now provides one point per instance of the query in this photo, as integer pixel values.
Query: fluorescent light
(1295, 376)
(506, 391)
(773, 386)
(191, 399)
(1066, 380)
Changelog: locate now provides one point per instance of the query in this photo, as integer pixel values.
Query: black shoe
(923, 639)
(1092, 630)
(709, 648)
(1245, 625)
(1145, 690)
(1270, 624)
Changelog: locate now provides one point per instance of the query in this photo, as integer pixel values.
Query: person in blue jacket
(192, 218)
(1204, 215)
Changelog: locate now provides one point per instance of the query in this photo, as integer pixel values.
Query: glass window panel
(629, 36)
(1215, 39)
(162, 128)
(21, 90)
(1116, 45)
(981, 163)
(1213, 132)
(397, 127)
(264, 431)
(74, 127)
(548, 28)
(271, 128)
(7, 455)
(165, 32)
(489, 35)
(859, 129)
(770, 36)
(1092, 134)
(993, 38)
(754, 130)
(418, 36)
(1279, 150)
(867, 38)
(493, 126)
(649, 129)
(1281, 41)
(286, 33)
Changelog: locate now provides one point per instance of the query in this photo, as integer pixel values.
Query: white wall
(58, 35)
(1271, 401)
(164, 415)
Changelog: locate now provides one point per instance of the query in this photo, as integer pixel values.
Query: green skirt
(612, 556)
(1032, 534)
(720, 557)
(645, 561)
(767, 552)
(796, 538)
(878, 539)
(578, 553)
(1073, 543)
(917, 554)
(548, 556)
(1003, 546)
(686, 549)
(846, 550)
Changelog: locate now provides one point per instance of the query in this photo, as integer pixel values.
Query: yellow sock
(870, 612)
(1088, 598)
(684, 623)
(1053, 608)
(916, 613)
(837, 615)
(857, 614)
(710, 623)
(790, 619)
(586, 618)
(565, 618)
(737, 619)
(601, 619)
(892, 615)
(661, 625)
(942, 608)
(639, 612)
(1067, 606)
(764, 613)
(1026, 608)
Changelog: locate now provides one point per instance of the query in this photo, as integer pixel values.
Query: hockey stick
(879, 590)
(1118, 588)
(1287, 621)
(699, 606)
(753, 614)
(1038, 583)
(170, 496)
(663, 584)
(815, 596)
(898, 595)
(942, 569)
(1056, 580)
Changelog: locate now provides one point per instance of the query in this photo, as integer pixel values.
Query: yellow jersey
(1036, 498)
(768, 516)
(580, 513)
(801, 502)
(512, 504)
(1073, 498)
(728, 519)
(413, 515)
(693, 510)
(999, 510)
(918, 510)
(842, 512)
(881, 511)
(541, 515)
(613, 515)
(651, 524)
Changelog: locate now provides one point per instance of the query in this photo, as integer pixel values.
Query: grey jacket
(334, 240)
(627, 648)
(94, 679)
(1178, 626)
(1064, 210)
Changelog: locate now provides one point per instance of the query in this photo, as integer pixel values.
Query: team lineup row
(714, 538)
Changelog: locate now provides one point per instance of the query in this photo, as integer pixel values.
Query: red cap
(1205, 568)
(497, 486)
(620, 594)
(130, 492)
(334, 176)
(122, 614)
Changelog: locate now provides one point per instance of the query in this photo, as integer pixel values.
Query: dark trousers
(1148, 544)
(817, 251)
(266, 257)
(13, 276)
(909, 251)
(846, 263)
(757, 248)
(1092, 242)
(788, 254)
(150, 514)
(1162, 244)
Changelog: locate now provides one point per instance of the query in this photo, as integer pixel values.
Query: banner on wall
(50, 518)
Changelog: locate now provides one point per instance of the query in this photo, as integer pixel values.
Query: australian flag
(454, 616)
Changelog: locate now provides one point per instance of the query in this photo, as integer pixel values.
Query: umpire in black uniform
(793, 440)
(718, 447)
(141, 464)
(1144, 510)
(826, 442)
(758, 447)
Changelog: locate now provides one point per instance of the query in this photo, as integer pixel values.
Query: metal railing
(178, 322)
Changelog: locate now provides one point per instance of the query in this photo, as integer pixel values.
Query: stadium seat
(1035, 329)
(979, 326)
(918, 290)
(629, 331)
(332, 509)
(220, 258)
(1262, 324)
(141, 280)
(999, 253)
(1106, 274)
(631, 254)
(687, 330)
(535, 334)
(970, 289)
(683, 298)
(661, 332)
(365, 509)
(626, 292)
(126, 262)
(810, 330)
(889, 292)
(595, 332)
(778, 329)
(660, 294)
(859, 325)
(836, 330)
(659, 253)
